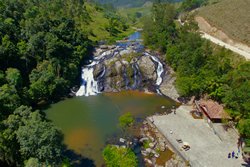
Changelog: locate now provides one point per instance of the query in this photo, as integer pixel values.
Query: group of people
(234, 155)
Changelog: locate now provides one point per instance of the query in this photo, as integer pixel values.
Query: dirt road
(227, 46)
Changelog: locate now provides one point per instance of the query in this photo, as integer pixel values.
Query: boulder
(156, 155)
(122, 140)
(111, 47)
(144, 153)
(118, 67)
(143, 139)
(147, 67)
(104, 47)
(148, 161)
(149, 150)
(151, 145)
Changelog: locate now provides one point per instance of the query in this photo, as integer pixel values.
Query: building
(212, 111)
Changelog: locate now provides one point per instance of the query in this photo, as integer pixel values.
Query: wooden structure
(212, 111)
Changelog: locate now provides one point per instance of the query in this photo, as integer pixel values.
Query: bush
(119, 157)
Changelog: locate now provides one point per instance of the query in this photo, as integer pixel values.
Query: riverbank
(156, 149)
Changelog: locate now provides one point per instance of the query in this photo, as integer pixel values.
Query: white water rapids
(89, 85)
(159, 70)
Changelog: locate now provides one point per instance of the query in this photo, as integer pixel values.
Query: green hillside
(231, 16)
(101, 19)
(130, 3)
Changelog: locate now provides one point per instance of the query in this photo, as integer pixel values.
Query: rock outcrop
(147, 67)
(122, 69)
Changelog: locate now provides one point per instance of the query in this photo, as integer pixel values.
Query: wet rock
(144, 153)
(151, 138)
(126, 51)
(149, 150)
(143, 139)
(111, 47)
(122, 140)
(156, 155)
(98, 71)
(147, 67)
(118, 67)
(152, 145)
(148, 161)
(167, 87)
(104, 47)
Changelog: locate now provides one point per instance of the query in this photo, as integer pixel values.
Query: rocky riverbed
(126, 67)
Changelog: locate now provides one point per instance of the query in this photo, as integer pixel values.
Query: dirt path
(220, 38)
(227, 46)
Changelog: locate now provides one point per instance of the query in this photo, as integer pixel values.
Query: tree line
(202, 69)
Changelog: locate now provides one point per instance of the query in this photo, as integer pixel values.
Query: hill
(101, 20)
(129, 3)
(230, 16)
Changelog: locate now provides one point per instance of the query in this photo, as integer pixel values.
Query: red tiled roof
(213, 109)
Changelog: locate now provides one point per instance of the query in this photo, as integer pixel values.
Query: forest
(42, 47)
(202, 69)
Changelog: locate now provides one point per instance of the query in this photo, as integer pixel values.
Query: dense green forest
(42, 47)
(202, 69)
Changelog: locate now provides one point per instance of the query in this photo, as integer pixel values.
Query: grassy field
(230, 16)
(98, 26)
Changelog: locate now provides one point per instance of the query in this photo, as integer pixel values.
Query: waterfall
(137, 75)
(160, 70)
(89, 85)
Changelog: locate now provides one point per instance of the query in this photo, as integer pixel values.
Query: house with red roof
(212, 110)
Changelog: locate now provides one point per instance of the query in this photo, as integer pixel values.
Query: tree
(2, 78)
(126, 120)
(40, 139)
(119, 157)
(244, 127)
(9, 99)
(9, 147)
(26, 134)
(159, 29)
(32, 162)
(45, 84)
(13, 76)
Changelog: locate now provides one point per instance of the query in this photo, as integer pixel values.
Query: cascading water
(137, 75)
(89, 85)
(160, 70)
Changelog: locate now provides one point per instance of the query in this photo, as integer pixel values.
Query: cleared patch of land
(227, 46)
(207, 148)
(230, 16)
